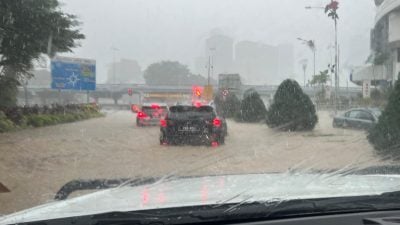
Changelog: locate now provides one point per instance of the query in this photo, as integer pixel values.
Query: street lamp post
(114, 49)
(331, 9)
(210, 66)
(304, 73)
(303, 63)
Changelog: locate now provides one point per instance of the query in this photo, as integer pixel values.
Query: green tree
(8, 91)
(252, 108)
(385, 136)
(227, 106)
(28, 29)
(171, 73)
(321, 79)
(166, 73)
(291, 109)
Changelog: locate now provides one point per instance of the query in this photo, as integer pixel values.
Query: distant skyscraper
(259, 63)
(285, 61)
(220, 47)
(200, 66)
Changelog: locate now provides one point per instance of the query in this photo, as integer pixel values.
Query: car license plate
(188, 128)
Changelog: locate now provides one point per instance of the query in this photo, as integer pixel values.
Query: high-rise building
(285, 61)
(220, 49)
(260, 63)
(200, 66)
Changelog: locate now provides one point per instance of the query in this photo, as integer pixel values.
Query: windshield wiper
(99, 184)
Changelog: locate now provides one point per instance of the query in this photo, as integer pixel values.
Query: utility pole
(331, 10)
(336, 67)
(114, 49)
(208, 67)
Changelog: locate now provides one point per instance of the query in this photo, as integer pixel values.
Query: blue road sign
(73, 73)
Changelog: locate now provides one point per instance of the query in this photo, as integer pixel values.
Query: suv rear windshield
(155, 111)
(187, 112)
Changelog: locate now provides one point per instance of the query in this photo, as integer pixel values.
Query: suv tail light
(163, 123)
(141, 115)
(217, 122)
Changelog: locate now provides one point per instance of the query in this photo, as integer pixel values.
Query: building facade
(383, 66)
(220, 49)
(261, 63)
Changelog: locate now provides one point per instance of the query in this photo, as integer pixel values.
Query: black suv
(192, 124)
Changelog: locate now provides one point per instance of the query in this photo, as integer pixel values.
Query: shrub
(291, 109)
(42, 120)
(252, 108)
(44, 116)
(16, 115)
(35, 120)
(227, 106)
(385, 136)
(5, 124)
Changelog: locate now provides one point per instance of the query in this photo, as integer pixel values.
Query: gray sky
(153, 30)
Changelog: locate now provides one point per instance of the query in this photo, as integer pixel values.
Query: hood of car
(195, 191)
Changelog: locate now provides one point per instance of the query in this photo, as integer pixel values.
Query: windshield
(168, 103)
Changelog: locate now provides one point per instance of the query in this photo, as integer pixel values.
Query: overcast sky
(153, 30)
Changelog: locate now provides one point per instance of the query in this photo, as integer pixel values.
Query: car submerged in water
(359, 118)
(192, 124)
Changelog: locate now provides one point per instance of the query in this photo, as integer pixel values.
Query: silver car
(360, 118)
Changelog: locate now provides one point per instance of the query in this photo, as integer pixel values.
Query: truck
(229, 82)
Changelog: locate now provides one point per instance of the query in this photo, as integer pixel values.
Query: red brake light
(163, 123)
(155, 106)
(141, 115)
(197, 104)
(214, 144)
(217, 122)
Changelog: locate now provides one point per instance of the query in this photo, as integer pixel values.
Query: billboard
(73, 73)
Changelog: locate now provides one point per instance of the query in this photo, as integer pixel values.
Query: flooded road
(35, 163)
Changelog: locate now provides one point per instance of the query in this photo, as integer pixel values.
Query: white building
(384, 66)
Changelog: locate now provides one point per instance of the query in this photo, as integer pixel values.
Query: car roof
(364, 109)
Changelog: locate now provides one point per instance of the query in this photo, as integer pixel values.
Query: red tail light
(141, 115)
(214, 144)
(163, 123)
(217, 122)
(155, 106)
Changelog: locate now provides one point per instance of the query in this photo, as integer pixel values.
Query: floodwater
(35, 163)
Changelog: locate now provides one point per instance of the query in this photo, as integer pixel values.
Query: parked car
(360, 118)
(193, 125)
(150, 114)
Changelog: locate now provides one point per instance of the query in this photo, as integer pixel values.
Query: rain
(137, 105)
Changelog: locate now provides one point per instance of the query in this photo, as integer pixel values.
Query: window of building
(398, 55)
